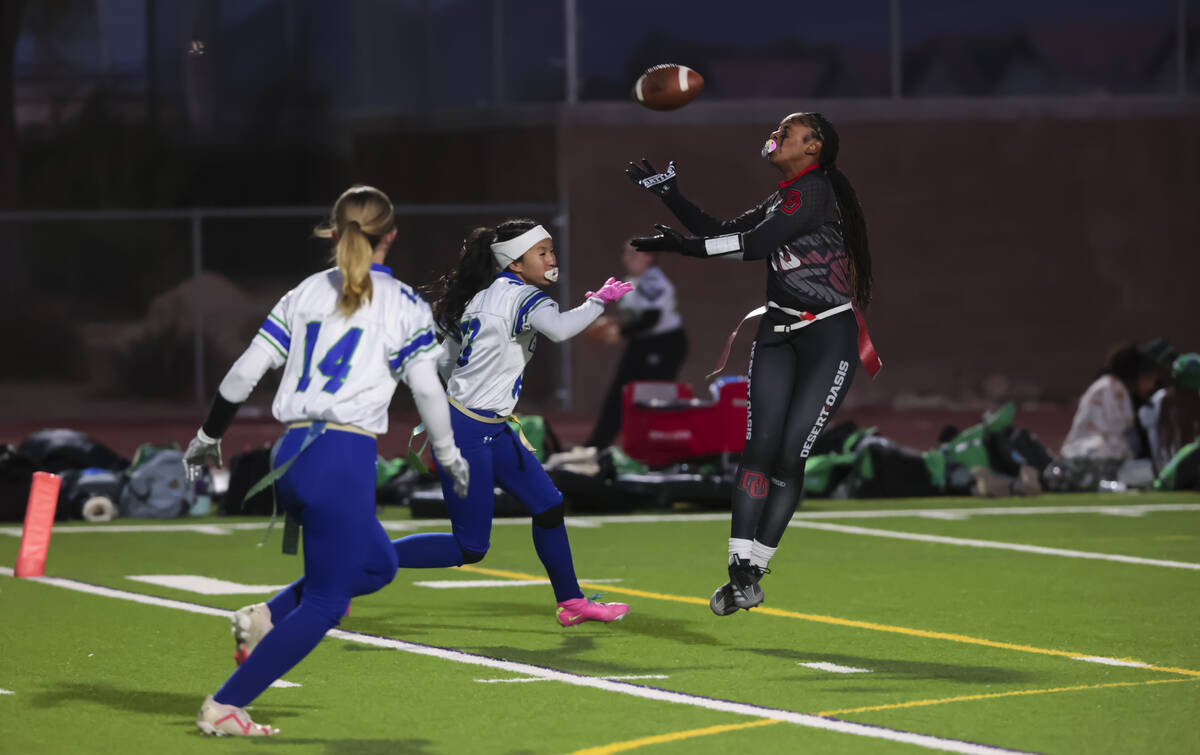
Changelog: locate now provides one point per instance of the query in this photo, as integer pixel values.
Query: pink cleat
(579, 610)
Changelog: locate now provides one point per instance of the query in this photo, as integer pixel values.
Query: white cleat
(218, 720)
(250, 625)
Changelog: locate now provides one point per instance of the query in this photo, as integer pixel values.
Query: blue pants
(497, 458)
(330, 489)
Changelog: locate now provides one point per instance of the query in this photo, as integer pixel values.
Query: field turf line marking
(1109, 661)
(834, 668)
(994, 695)
(1042, 550)
(855, 623)
(674, 736)
(227, 528)
(634, 690)
(7, 692)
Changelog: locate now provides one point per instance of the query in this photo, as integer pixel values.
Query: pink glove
(612, 290)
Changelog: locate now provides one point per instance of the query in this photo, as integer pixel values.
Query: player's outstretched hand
(199, 451)
(455, 466)
(612, 290)
(669, 240)
(646, 176)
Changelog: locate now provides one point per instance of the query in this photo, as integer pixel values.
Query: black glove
(651, 180)
(670, 240)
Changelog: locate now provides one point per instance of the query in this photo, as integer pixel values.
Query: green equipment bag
(1183, 471)
(968, 447)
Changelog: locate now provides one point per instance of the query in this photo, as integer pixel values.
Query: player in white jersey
(656, 345)
(345, 337)
(492, 309)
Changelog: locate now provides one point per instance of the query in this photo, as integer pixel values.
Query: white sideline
(7, 692)
(995, 544)
(404, 525)
(635, 690)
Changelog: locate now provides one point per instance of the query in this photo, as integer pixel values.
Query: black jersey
(797, 229)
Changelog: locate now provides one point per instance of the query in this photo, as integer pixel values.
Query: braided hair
(854, 223)
(474, 271)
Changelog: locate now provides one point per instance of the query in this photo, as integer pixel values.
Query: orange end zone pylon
(39, 521)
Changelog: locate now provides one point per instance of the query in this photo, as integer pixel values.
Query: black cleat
(743, 583)
(721, 601)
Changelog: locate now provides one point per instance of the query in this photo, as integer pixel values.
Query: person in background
(1104, 428)
(344, 338)
(1171, 418)
(656, 344)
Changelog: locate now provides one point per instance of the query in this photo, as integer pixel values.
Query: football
(667, 86)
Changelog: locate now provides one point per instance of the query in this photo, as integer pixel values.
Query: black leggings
(797, 382)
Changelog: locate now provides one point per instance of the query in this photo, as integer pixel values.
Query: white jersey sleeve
(340, 368)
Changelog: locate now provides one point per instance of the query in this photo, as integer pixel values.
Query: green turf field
(1062, 624)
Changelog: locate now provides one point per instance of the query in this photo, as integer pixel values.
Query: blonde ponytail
(353, 256)
(361, 216)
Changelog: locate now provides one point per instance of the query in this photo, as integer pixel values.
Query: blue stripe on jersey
(381, 268)
(526, 308)
(278, 334)
(422, 342)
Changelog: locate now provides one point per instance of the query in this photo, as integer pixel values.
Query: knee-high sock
(781, 503)
(554, 549)
(428, 550)
(281, 649)
(749, 496)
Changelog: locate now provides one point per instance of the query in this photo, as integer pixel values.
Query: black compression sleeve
(220, 416)
(700, 223)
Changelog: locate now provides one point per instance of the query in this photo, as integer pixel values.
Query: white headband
(506, 252)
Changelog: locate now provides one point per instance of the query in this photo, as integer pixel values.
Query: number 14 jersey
(345, 369)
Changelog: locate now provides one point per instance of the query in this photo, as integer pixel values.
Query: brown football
(667, 86)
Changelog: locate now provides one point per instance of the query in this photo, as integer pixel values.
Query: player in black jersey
(813, 235)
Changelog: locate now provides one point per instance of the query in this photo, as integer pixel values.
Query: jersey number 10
(335, 365)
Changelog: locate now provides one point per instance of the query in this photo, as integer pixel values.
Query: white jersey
(495, 341)
(651, 290)
(345, 369)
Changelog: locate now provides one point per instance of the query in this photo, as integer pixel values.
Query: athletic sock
(554, 549)
(760, 555)
(741, 548)
(428, 550)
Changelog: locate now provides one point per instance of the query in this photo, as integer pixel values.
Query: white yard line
(544, 679)
(634, 690)
(961, 541)
(449, 584)
(834, 668)
(1110, 661)
(203, 585)
(405, 525)
(7, 692)
(283, 684)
